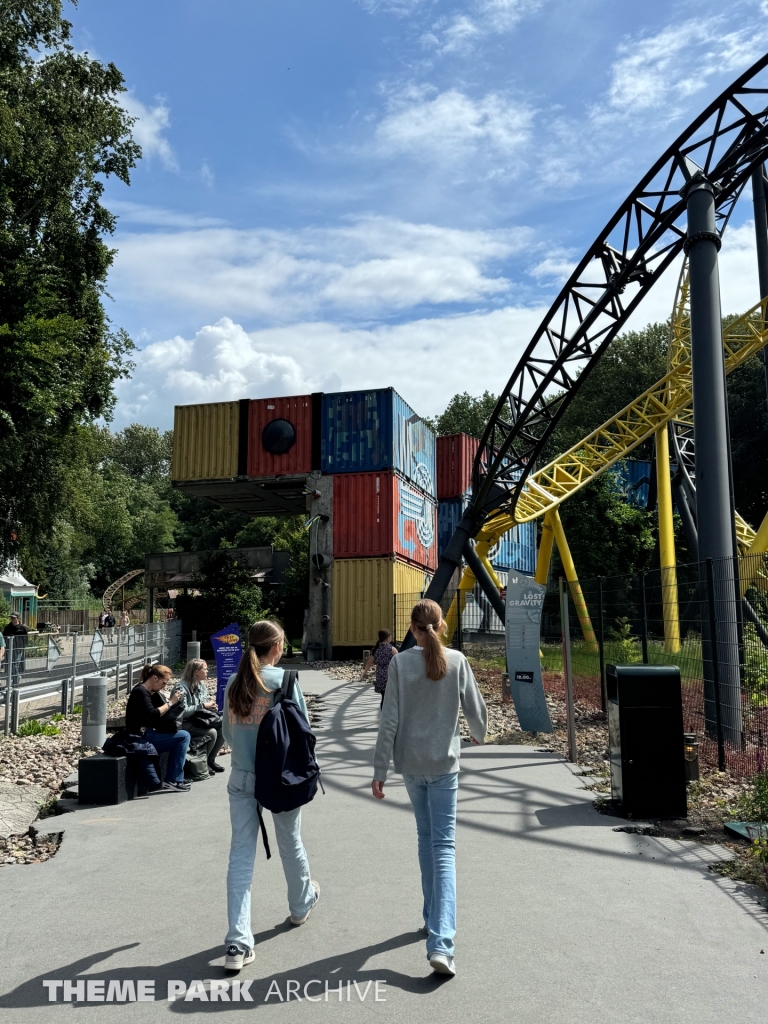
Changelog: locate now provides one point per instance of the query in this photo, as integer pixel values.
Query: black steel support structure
(714, 511)
(761, 241)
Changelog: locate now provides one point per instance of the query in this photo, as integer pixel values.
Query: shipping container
(516, 549)
(455, 457)
(206, 441)
(364, 431)
(364, 593)
(383, 514)
(280, 435)
(633, 477)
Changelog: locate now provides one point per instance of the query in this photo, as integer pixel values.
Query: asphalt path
(560, 918)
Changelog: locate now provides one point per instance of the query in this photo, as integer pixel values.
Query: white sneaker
(296, 921)
(237, 958)
(441, 963)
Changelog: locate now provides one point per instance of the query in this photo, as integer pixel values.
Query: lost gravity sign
(523, 620)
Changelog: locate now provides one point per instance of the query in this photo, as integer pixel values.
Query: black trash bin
(645, 735)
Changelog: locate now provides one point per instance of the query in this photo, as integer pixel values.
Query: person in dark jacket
(147, 709)
(20, 633)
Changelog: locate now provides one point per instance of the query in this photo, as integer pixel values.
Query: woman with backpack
(249, 695)
(419, 730)
(380, 656)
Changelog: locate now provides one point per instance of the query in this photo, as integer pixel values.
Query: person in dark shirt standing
(147, 710)
(19, 632)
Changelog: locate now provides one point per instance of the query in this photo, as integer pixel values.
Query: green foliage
(62, 133)
(753, 805)
(606, 535)
(755, 666)
(466, 415)
(227, 593)
(634, 361)
(32, 727)
(287, 534)
(625, 647)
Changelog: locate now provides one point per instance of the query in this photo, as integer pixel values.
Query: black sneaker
(164, 787)
(180, 787)
(212, 767)
(236, 958)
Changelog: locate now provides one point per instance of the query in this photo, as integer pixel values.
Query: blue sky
(349, 193)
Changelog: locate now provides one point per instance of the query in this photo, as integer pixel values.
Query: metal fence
(50, 664)
(710, 619)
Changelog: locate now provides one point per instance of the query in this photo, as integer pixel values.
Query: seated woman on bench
(159, 718)
(200, 716)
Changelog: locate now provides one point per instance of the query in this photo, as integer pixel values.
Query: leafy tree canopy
(465, 415)
(62, 133)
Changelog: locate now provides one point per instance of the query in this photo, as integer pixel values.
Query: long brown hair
(427, 618)
(161, 671)
(262, 637)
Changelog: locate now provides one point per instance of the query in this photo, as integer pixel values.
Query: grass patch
(32, 727)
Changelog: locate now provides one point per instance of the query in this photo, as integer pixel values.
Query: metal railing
(55, 663)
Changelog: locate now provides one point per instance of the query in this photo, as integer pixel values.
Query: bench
(107, 780)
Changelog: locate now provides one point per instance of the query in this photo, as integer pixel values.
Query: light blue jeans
(434, 803)
(242, 854)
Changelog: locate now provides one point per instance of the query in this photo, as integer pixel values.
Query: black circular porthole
(278, 437)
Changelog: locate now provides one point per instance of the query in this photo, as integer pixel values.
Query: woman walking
(200, 716)
(248, 697)
(419, 730)
(380, 656)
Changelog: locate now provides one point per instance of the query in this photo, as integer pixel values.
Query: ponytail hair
(161, 671)
(385, 637)
(262, 637)
(427, 619)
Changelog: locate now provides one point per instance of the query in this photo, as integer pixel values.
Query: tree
(62, 132)
(466, 415)
(633, 363)
(228, 593)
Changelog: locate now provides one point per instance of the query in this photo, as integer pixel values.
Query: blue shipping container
(633, 477)
(516, 549)
(366, 431)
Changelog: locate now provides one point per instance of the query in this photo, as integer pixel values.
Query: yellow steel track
(670, 399)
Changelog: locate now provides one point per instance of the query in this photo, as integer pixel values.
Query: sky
(342, 194)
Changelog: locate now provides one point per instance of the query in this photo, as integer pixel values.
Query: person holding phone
(158, 717)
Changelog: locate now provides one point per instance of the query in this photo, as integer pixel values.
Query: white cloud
(138, 213)
(369, 266)
(452, 126)
(149, 127)
(659, 72)
(461, 32)
(434, 358)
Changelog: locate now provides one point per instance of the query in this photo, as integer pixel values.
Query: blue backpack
(287, 774)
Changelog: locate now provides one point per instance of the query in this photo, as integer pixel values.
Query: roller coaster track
(670, 399)
(668, 402)
(638, 244)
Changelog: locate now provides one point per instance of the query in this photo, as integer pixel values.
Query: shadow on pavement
(333, 969)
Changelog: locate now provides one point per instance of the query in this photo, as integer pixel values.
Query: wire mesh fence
(710, 619)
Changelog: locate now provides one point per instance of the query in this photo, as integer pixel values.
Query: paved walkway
(560, 918)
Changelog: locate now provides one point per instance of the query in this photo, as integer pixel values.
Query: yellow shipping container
(205, 441)
(364, 592)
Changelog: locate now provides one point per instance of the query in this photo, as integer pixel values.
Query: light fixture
(691, 751)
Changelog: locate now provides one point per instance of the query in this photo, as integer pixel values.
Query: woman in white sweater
(419, 731)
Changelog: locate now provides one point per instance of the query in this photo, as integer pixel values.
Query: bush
(34, 728)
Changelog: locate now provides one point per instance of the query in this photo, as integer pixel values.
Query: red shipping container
(382, 514)
(288, 426)
(455, 456)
